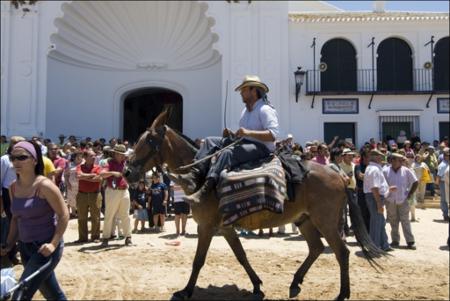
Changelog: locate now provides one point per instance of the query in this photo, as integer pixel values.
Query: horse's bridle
(154, 145)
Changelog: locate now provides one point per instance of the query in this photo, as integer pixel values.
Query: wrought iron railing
(366, 82)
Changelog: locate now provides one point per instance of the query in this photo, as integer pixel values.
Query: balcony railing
(366, 83)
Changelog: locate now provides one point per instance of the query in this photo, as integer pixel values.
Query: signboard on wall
(340, 105)
(443, 105)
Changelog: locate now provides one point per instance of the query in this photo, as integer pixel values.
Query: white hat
(289, 136)
(252, 81)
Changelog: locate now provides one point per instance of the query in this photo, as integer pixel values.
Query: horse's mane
(186, 138)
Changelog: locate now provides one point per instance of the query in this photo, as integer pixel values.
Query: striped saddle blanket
(247, 191)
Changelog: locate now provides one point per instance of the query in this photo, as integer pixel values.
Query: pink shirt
(321, 160)
(113, 165)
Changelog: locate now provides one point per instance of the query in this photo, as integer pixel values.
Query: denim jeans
(377, 229)
(45, 281)
(444, 206)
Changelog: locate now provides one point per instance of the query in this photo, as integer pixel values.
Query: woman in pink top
(322, 155)
(39, 220)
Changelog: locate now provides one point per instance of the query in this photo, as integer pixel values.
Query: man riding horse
(258, 128)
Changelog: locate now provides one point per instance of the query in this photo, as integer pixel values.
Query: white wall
(87, 102)
(307, 123)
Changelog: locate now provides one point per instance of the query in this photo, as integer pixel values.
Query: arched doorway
(141, 107)
(394, 66)
(340, 75)
(441, 65)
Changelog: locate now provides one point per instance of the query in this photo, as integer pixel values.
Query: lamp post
(299, 80)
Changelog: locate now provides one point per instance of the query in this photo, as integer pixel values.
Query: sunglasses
(20, 158)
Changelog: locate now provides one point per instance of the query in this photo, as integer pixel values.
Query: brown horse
(316, 210)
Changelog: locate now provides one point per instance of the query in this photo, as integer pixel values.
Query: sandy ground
(151, 269)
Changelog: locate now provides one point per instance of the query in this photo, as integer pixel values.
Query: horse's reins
(210, 156)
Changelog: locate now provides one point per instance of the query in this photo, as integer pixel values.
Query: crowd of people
(391, 175)
(46, 182)
(89, 176)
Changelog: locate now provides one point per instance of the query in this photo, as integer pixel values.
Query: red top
(86, 186)
(120, 182)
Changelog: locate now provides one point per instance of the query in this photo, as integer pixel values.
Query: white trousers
(117, 204)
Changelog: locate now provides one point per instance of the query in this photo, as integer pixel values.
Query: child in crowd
(158, 198)
(139, 201)
(70, 176)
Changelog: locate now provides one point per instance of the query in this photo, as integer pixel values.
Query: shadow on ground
(226, 292)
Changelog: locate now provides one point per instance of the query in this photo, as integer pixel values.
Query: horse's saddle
(254, 187)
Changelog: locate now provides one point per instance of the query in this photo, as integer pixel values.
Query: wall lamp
(299, 80)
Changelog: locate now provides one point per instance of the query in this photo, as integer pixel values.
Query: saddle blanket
(248, 191)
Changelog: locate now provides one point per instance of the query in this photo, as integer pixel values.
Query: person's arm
(260, 135)
(13, 234)
(377, 197)
(413, 189)
(331, 145)
(106, 174)
(166, 194)
(55, 199)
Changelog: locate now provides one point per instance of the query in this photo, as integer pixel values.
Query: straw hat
(348, 151)
(120, 149)
(398, 156)
(252, 81)
(376, 152)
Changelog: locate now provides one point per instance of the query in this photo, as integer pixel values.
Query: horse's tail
(369, 249)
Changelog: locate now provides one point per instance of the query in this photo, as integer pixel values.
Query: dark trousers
(45, 281)
(230, 158)
(5, 223)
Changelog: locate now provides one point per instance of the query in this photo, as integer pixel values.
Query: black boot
(196, 198)
(191, 181)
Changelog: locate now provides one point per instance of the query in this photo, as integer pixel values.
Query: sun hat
(120, 149)
(252, 81)
(397, 155)
(348, 151)
(376, 152)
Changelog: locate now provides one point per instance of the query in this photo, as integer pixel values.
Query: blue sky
(430, 6)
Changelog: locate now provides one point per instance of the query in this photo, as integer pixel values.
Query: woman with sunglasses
(39, 219)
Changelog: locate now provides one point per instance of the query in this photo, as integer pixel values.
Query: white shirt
(262, 117)
(8, 173)
(403, 178)
(374, 177)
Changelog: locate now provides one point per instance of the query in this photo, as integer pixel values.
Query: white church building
(107, 68)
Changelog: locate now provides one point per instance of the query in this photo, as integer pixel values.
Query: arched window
(441, 65)
(394, 66)
(340, 59)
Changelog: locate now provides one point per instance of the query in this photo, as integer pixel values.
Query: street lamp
(299, 79)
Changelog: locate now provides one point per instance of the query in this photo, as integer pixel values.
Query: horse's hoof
(294, 291)
(258, 296)
(180, 295)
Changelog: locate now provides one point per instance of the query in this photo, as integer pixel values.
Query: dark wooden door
(345, 130)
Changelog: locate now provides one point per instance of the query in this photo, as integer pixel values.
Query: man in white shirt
(376, 189)
(440, 181)
(258, 128)
(397, 205)
(7, 177)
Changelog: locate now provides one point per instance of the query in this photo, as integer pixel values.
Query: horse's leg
(205, 234)
(316, 248)
(331, 233)
(235, 244)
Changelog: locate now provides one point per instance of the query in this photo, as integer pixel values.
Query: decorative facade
(106, 68)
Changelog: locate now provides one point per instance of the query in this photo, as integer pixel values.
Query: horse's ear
(161, 119)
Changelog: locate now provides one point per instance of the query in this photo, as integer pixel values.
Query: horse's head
(147, 153)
